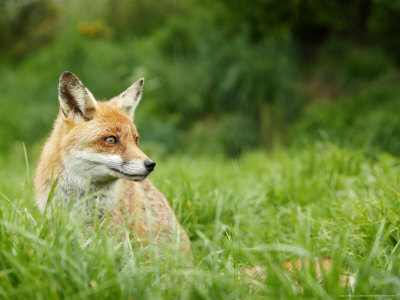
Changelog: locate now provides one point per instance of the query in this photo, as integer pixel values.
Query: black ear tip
(67, 74)
(141, 81)
(68, 77)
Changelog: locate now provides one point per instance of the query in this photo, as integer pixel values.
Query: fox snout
(149, 164)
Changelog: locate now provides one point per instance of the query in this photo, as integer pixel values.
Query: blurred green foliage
(220, 75)
(26, 24)
(369, 120)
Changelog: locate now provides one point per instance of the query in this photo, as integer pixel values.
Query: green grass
(263, 209)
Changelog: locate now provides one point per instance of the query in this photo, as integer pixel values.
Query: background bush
(220, 76)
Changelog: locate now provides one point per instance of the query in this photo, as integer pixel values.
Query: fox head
(99, 139)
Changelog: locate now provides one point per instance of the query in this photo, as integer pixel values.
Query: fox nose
(149, 164)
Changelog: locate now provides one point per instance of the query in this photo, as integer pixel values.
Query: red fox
(93, 149)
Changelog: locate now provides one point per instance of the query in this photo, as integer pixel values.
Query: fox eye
(111, 139)
(137, 139)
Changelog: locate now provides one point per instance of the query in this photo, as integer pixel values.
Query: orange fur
(81, 127)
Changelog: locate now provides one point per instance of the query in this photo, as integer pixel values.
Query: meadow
(260, 210)
(275, 130)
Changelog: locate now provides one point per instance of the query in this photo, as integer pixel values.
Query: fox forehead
(114, 121)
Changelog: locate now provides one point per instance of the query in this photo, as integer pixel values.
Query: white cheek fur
(98, 164)
(98, 158)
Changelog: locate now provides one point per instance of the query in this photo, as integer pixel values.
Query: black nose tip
(149, 164)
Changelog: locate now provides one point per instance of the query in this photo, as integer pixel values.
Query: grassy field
(222, 79)
(260, 210)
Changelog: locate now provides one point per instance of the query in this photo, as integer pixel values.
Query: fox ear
(129, 99)
(75, 99)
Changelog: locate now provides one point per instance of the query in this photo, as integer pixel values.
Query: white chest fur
(84, 193)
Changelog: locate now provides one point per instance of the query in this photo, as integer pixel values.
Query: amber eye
(137, 139)
(111, 140)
